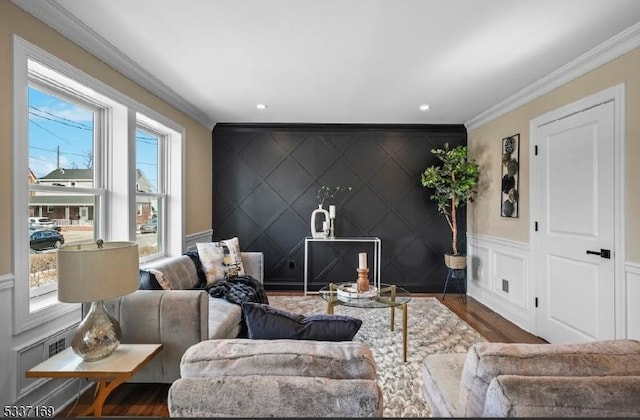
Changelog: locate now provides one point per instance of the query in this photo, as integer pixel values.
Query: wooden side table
(109, 372)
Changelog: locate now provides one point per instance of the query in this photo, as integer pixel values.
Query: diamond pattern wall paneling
(266, 178)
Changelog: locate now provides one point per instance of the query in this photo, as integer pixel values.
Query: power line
(62, 153)
(52, 133)
(81, 125)
(61, 122)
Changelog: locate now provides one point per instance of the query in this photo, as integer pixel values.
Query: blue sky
(58, 125)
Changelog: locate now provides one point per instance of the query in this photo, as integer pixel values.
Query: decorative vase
(314, 232)
(362, 282)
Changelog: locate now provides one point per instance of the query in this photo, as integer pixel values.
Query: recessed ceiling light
(261, 106)
(424, 107)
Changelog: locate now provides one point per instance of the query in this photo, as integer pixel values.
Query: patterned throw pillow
(221, 260)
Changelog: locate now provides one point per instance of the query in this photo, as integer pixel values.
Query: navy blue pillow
(268, 323)
(148, 281)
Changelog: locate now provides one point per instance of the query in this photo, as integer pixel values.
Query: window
(93, 163)
(150, 195)
(62, 137)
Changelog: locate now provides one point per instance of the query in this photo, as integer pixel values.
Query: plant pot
(455, 262)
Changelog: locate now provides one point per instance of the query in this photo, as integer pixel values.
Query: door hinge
(536, 302)
(535, 150)
(535, 226)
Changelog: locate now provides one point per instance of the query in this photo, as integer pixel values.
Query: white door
(575, 237)
(84, 214)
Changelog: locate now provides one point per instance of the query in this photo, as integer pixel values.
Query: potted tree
(454, 183)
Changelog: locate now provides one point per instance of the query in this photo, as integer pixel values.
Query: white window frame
(117, 199)
(163, 133)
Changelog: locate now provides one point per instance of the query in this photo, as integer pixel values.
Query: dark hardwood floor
(151, 399)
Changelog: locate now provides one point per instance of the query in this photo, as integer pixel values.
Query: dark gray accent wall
(266, 178)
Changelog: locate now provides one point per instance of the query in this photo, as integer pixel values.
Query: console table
(377, 253)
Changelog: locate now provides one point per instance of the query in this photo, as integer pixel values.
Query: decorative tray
(349, 290)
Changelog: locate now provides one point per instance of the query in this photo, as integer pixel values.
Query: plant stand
(458, 275)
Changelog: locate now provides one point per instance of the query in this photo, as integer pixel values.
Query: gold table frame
(109, 372)
(386, 296)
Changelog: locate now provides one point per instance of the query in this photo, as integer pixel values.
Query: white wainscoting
(498, 277)
(191, 240)
(6, 281)
(632, 282)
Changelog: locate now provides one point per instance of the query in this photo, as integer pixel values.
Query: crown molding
(58, 18)
(614, 47)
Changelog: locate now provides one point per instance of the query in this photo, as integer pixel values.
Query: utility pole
(58, 157)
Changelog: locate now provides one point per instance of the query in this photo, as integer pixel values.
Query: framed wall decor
(510, 175)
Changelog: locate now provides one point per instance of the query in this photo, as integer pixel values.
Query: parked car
(150, 227)
(45, 239)
(42, 222)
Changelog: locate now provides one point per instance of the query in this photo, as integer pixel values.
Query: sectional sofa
(177, 318)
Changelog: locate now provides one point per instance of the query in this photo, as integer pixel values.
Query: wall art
(509, 202)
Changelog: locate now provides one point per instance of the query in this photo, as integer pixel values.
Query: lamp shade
(88, 273)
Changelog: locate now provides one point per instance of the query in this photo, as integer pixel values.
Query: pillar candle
(325, 225)
(363, 260)
(332, 212)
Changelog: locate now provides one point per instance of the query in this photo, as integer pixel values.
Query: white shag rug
(433, 328)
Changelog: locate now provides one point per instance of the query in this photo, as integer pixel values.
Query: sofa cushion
(224, 318)
(441, 376)
(485, 361)
(266, 322)
(221, 260)
(562, 396)
(178, 273)
(243, 357)
(275, 397)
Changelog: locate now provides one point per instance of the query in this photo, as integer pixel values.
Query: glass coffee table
(387, 296)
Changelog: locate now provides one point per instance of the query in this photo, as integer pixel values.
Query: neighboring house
(33, 179)
(145, 210)
(77, 209)
(65, 209)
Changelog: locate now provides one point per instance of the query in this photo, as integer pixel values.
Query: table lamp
(94, 272)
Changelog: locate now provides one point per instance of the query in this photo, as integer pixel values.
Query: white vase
(315, 233)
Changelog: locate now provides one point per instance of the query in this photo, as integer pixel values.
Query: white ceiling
(348, 61)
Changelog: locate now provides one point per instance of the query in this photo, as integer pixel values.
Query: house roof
(62, 174)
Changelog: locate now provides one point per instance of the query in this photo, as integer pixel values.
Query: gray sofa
(276, 378)
(598, 379)
(177, 319)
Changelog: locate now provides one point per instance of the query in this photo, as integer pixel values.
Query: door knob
(604, 253)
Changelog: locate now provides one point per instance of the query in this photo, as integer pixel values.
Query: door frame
(617, 95)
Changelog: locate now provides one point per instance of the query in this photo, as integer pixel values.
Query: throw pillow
(221, 260)
(148, 281)
(177, 273)
(268, 323)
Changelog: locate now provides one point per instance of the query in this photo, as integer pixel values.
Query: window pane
(61, 151)
(150, 228)
(60, 141)
(71, 222)
(147, 145)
